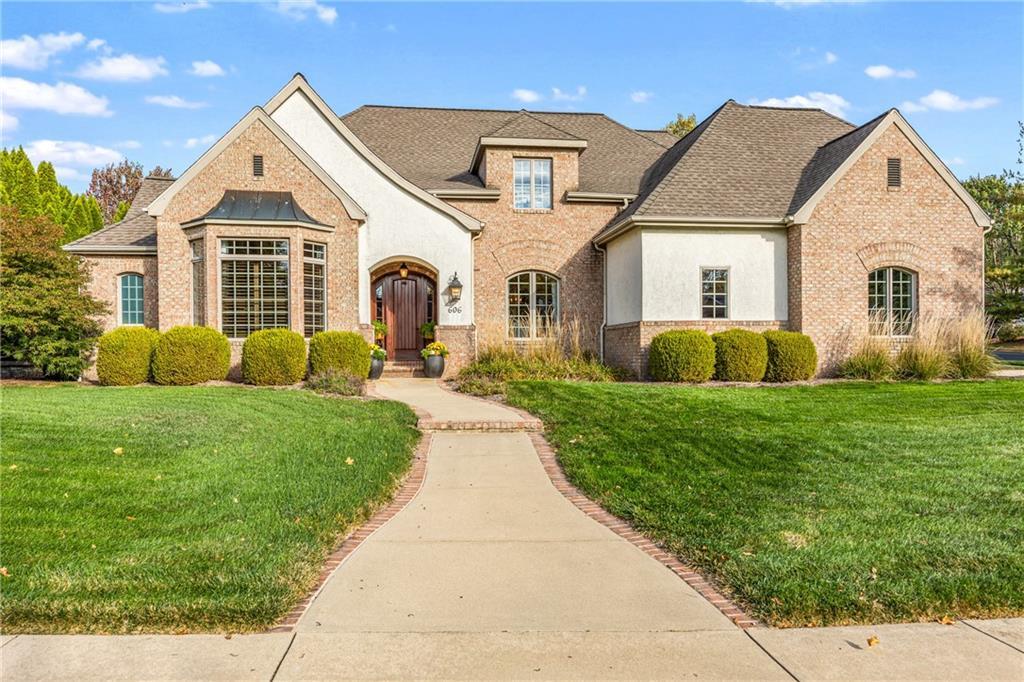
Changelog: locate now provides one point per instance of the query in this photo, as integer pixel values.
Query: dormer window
(532, 183)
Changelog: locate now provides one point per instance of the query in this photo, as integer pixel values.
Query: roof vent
(257, 165)
(894, 173)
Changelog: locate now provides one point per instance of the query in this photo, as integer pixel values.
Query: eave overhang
(670, 222)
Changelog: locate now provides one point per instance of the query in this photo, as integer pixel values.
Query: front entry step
(403, 368)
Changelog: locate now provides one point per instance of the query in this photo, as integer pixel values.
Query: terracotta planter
(433, 366)
(376, 368)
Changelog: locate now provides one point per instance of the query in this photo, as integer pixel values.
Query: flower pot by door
(433, 366)
(376, 368)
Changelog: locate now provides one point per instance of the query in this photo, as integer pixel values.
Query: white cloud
(62, 98)
(559, 95)
(174, 102)
(831, 58)
(27, 52)
(128, 144)
(8, 123)
(943, 100)
(71, 154)
(524, 95)
(124, 68)
(196, 141)
(830, 102)
(641, 96)
(300, 9)
(206, 68)
(881, 71)
(96, 43)
(65, 174)
(956, 161)
(180, 7)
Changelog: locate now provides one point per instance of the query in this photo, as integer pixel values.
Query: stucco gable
(299, 87)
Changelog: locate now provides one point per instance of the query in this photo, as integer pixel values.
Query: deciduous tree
(682, 124)
(114, 183)
(46, 317)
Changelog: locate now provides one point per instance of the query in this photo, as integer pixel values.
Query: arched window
(532, 305)
(892, 301)
(131, 300)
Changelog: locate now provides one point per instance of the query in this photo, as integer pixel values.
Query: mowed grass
(152, 509)
(813, 505)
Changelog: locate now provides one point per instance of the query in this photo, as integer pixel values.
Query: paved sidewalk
(490, 573)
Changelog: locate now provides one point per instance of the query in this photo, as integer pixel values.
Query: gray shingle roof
(662, 137)
(433, 148)
(740, 162)
(527, 126)
(137, 229)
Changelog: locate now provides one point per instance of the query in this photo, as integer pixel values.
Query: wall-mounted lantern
(403, 270)
(455, 288)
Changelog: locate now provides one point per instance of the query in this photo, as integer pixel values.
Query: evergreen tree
(121, 212)
(78, 223)
(21, 183)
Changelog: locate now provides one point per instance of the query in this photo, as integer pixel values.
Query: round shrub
(274, 357)
(740, 355)
(125, 355)
(191, 355)
(791, 356)
(343, 351)
(1010, 332)
(685, 355)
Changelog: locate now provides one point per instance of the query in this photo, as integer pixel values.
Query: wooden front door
(404, 304)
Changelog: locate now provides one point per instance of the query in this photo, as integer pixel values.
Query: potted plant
(433, 359)
(427, 330)
(380, 329)
(377, 356)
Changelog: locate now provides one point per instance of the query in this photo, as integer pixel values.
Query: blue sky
(85, 83)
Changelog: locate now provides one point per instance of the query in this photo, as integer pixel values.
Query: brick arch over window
(529, 254)
(893, 254)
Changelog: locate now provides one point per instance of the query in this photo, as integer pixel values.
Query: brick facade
(556, 241)
(285, 172)
(105, 271)
(860, 225)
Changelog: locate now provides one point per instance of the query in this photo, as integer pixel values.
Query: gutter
(486, 194)
(599, 198)
(109, 250)
(604, 302)
(683, 221)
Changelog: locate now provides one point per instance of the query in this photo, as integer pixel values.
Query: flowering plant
(377, 353)
(435, 348)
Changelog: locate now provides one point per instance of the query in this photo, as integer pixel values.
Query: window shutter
(894, 173)
(257, 165)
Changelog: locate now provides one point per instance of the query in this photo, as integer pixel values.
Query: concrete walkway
(491, 573)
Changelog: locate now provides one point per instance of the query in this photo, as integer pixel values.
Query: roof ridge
(699, 130)
(478, 109)
(634, 131)
(856, 128)
(778, 108)
(549, 125)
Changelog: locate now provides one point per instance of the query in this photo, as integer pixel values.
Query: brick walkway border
(407, 490)
(549, 460)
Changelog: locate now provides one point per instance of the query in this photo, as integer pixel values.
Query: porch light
(455, 288)
(403, 270)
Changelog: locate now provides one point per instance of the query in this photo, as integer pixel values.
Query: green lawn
(813, 505)
(154, 509)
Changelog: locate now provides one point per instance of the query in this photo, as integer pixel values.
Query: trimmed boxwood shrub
(344, 351)
(683, 355)
(740, 355)
(191, 355)
(125, 355)
(791, 356)
(274, 357)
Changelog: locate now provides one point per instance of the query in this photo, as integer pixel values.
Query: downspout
(604, 301)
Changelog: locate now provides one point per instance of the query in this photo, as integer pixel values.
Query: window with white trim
(714, 293)
(131, 298)
(253, 285)
(532, 183)
(198, 283)
(532, 305)
(314, 287)
(892, 301)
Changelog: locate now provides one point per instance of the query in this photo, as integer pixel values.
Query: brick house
(499, 226)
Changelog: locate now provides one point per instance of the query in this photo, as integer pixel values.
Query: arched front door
(404, 304)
